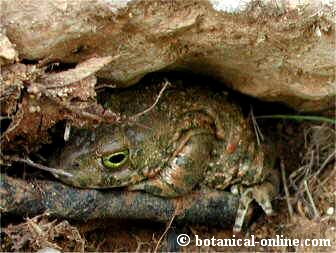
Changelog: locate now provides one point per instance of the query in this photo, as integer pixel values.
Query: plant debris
(39, 232)
(35, 101)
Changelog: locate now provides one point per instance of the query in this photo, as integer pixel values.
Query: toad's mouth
(118, 179)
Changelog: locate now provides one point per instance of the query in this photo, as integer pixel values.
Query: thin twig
(16, 124)
(299, 118)
(139, 243)
(326, 161)
(311, 200)
(154, 104)
(164, 233)
(100, 244)
(284, 182)
(29, 162)
(256, 128)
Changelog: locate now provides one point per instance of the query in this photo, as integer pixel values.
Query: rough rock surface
(275, 50)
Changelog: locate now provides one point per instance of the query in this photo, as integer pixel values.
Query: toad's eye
(115, 160)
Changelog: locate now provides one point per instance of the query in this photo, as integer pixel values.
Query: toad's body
(191, 138)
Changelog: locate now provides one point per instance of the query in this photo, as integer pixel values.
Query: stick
(299, 118)
(29, 162)
(256, 128)
(284, 182)
(311, 200)
(154, 104)
(19, 197)
(164, 233)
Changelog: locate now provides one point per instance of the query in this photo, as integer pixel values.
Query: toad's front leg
(262, 193)
(184, 169)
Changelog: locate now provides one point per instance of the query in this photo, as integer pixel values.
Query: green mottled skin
(221, 150)
(193, 137)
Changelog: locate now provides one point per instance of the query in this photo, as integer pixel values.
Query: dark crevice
(55, 67)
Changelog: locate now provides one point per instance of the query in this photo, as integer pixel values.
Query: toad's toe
(244, 204)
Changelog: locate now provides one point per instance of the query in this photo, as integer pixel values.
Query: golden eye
(115, 160)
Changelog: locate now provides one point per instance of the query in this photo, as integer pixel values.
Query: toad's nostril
(76, 165)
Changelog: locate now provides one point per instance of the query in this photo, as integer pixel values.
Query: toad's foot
(263, 194)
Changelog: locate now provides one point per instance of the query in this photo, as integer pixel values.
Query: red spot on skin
(230, 148)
